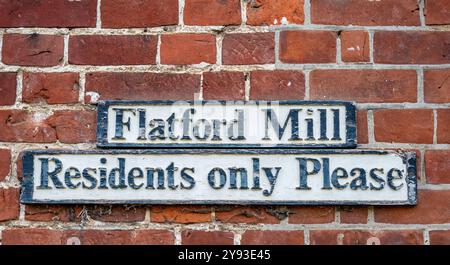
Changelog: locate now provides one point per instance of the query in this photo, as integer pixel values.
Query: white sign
(230, 124)
(261, 176)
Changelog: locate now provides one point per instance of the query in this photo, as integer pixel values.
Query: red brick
(223, 85)
(107, 213)
(9, 202)
(362, 127)
(121, 237)
(51, 88)
(212, 12)
(139, 13)
(366, 13)
(355, 46)
(437, 166)
(437, 86)
(74, 126)
(248, 48)
(366, 237)
(275, 12)
(261, 237)
(404, 125)
(5, 162)
(433, 208)
(31, 236)
(48, 13)
(141, 86)
(180, 214)
(440, 237)
(311, 215)
(188, 49)
(377, 86)
(112, 49)
(407, 47)
(153, 237)
(32, 49)
(437, 12)
(8, 88)
(245, 214)
(196, 237)
(25, 126)
(443, 126)
(19, 165)
(277, 85)
(53, 213)
(353, 215)
(308, 46)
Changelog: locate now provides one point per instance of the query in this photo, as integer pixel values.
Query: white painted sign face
(261, 176)
(229, 124)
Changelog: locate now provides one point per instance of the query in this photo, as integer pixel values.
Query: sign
(230, 124)
(251, 176)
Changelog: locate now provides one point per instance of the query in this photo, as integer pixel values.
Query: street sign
(218, 176)
(226, 124)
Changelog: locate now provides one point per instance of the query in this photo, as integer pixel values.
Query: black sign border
(26, 197)
(102, 125)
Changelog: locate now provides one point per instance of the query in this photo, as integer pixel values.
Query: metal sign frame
(408, 159)
(102, 125)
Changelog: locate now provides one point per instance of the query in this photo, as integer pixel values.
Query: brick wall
(392, 57)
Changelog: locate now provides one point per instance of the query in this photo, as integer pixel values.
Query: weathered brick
(197, 237)
(51, 88)
(355, 46)
(25, 126)
(48, 13)
(185, 48)
(311, 215)
(437, 86)
(212, 12)
(112, 49)
(116, 213)
(404, 125)
(433, 208)
(121, 237)
(362, 129)
(74, 126)
(277, 85)
(366, 13)
(5, 162)
(153, 237)
(377, 86)
(440, 237)
(437, 12)
(437, 166)
(32, 49)
(180, 214)
(407, 47)
(9, 201)
(41, 236)
(275, 12)
(45, 213)
(141, 86)
(366, 237)
(353, 215)
(244, 214)
(31, 236)
(223, 85)
(248, 48)
(308, 46)
(139, 13)
(279, 237)
(443, 126)
(19, 165)
(8, 88)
